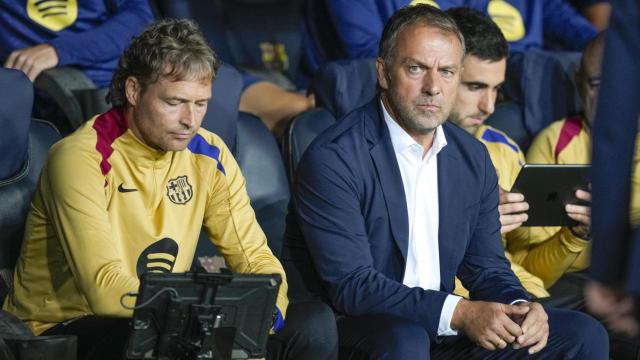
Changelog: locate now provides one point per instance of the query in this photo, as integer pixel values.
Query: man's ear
(132, 90)
(382, 74)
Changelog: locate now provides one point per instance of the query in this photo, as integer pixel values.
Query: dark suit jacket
(616, 253)
(352, 211)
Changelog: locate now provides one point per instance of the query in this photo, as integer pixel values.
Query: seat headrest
(345, 85)
(222, 111)
(16, 104)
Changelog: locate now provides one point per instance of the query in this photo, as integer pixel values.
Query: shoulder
(208, 148)
(350, 132)
(553, 130)
(77, 148)
(462, 140)
(500, 144)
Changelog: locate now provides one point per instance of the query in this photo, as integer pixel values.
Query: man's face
(168, 113)
(421, 81)
(589, 85)
(479, 85)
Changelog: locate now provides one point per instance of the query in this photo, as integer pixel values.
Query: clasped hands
(495, 326)
(513, 207)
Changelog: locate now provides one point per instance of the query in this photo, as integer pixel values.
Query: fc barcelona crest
(179, 191)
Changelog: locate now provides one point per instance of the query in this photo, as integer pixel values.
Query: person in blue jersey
(357, 25)
(394, 203)
(89, 35)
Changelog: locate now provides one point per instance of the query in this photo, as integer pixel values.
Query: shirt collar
(402, 141)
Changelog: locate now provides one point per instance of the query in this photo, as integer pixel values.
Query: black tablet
(547, 189)
(203, 316)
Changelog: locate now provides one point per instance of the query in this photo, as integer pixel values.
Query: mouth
(429, 107)
(182, 136)
(477, 120)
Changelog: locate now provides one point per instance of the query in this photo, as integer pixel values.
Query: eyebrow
(408, 60)
(479, 83)
(185, 100)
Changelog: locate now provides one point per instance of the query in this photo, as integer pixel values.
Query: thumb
(519, 309)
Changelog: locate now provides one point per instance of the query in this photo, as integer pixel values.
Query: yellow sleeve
(76, 202)
(232, 227)
(545, 252)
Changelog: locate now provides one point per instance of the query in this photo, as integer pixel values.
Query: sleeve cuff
(444, 326)
(278, 321)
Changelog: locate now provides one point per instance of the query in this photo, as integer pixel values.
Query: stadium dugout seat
(24, 144)
(75, 97)
(344, 85)
(257, 154)
(261, 163)
(259, 36)
(300, 133)
(542, 83)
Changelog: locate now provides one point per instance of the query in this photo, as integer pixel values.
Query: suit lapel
(451, 205)
(388, 172)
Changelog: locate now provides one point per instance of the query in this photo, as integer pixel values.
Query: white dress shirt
(420, 180)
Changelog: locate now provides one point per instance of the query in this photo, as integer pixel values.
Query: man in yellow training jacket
(128, 193)
(568, 141)
(483, 74)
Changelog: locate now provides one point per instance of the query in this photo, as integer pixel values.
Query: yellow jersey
(109, 208)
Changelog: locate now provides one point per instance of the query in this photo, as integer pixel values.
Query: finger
(512, 330)
(512, 197)
(11, 59)
(583, 195)
(578, 209)
(22, 62)
(511, 208)
(515, 310)
(582, 219)
(486, 344)
(33, 72)
(540, 345)
(507, 228)
(532, 335)
(496, 341)
(506, 220)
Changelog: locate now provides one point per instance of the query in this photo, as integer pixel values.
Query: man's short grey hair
(422, 14)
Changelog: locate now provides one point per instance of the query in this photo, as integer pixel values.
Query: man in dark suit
(615, 262)
(393, 203)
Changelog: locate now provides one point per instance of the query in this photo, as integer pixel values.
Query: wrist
(457, 319)
(581, 232)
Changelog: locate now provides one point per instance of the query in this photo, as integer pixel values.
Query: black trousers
(309, 333)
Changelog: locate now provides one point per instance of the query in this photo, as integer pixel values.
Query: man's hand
(511, 209)
(613, 307)
(488, 324)
(33, 60)
(581, 214)
(535, 328)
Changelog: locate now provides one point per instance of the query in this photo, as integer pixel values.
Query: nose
(487, 102)
(431, 83)
(188, 116)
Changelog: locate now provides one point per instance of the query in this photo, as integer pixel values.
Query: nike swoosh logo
(124, 190)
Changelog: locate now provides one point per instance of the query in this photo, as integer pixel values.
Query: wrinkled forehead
(197, 71)
(426, 40)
